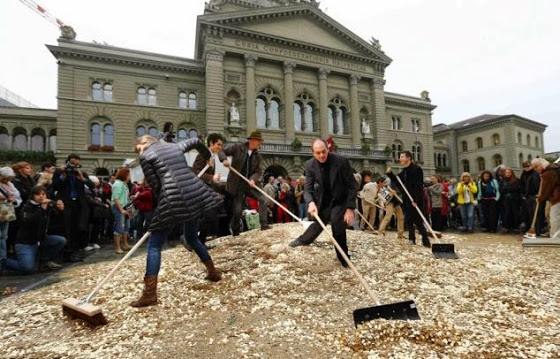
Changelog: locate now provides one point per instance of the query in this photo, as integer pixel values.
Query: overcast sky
(473, 56)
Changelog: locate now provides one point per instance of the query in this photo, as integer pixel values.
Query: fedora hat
(256, 135)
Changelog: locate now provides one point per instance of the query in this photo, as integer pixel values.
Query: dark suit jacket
(199, 163)
(413, 179)
(239, 156)
(343, 185)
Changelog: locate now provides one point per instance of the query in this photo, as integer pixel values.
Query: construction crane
(43, 12)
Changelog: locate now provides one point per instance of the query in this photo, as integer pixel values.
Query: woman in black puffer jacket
(181, 199)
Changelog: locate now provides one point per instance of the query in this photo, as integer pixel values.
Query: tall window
(96, 94)
(102, 133)
(336, 115)
(108, 137)
(152, 97)
(497, 160)
(268, 109)
(466, 166)
(183, 99)
(480, 163)
(96, 134)
(108, 92)
(417, 152)
(520, 160)
(142, 96)
(152, 131)
(182, 134)
(415, 125)
(304, 113)
(528, 140)
(464, 146)
(479, 142)
(519, 138)
(397, 149)
(38, 140)
(496, 139)
(537, 142)
(396, 122)
(4, 139)
(444, 160)
(187, 100)
(192, 101)
(529, 157)
(140, 131)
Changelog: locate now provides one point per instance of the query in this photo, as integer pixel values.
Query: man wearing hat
(248, 161)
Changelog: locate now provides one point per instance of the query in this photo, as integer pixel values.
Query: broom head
(396, 311)
(83, 310)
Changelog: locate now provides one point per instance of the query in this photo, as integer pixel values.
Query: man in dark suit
(412, 177)
(334, 199)
(248, 161)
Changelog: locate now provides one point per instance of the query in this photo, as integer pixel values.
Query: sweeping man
(181, 198)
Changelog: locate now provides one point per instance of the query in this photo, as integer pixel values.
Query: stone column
(355, 124)
(29, 143)
(215, 111)
(289, 99)
(47, 142)
(323, 102)
(250, 111)
(379, 122)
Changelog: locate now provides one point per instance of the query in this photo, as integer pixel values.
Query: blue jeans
(302, 209)
(190, 230)
(143, 221)
(26, 254)
(467, 215)
(122, 222)
(4, 239)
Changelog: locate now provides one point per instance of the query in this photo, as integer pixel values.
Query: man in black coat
(334, 199)
(248, 161)
(412, 177)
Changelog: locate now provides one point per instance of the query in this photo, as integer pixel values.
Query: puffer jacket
(180, 194)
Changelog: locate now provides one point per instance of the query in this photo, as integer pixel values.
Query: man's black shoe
(235, 234)
(298, 242)
(426, 244)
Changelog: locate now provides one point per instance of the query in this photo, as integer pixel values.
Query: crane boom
(43, 12)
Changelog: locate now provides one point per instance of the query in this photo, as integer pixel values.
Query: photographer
(168, 134)
(33, 234)
(68, 183)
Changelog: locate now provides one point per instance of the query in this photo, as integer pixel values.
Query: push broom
(395, 311)
(83, 309)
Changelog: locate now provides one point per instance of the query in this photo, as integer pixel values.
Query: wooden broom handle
(354, 270)
(418, 210)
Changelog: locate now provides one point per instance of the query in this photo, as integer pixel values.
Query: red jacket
(145, 200)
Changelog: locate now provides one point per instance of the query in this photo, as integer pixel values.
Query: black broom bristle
(94, 320)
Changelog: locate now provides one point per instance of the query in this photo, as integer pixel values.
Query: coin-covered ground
(497, 300)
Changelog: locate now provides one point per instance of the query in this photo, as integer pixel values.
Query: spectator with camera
(69, 184)
(33, 237)
(168, 134)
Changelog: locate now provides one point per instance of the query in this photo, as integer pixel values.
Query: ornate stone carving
(323, 73)
(250, 60)
(67, 32)
(354, 79)
(377, 83)
(215, 54)
(425, 95)
(289, 67)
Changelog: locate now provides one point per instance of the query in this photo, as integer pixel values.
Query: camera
(70, 167)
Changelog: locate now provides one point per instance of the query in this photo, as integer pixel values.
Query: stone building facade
(486, 141)
(27, 129)
(285, 67)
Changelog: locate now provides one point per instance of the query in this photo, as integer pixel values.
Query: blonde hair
(146, 140)
(540, 162)
(466, 174)
(45, 179)
(286, 186)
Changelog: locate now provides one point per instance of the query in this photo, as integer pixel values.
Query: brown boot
(149, 295)
(213, 274)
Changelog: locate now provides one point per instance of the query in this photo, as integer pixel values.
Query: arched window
(108, 92)
(95, 134)
(444, 160)
(480, 164)
(140, 131)
(298, 124)
(415, 125)
(268, 109)
(37, 140)
(521, 160)
(152, 131)
(182, 99)
(519, 138)
(466, 166)
(416, 152)
(5, 139)
(52, 140)
(497, 160)
(397, 149)
(304, 113)
(182, 134)
(529, 157)
(464, 146)
(142, 96)
(528, 140)
(108, 135)
(193, 133)
(337, 117)
(537, 142)
(479, 143)
(192, 101)
(439, 160)
(152, 97)
(96, 94)
(496, 139)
